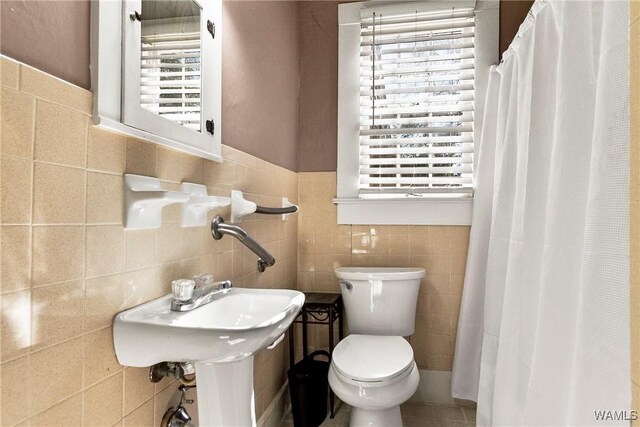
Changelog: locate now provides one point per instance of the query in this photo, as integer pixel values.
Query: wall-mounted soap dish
(194, 211)
(287, 204)
(240, 207)
(144, 199)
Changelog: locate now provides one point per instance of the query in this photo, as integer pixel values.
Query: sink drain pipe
(185, 372)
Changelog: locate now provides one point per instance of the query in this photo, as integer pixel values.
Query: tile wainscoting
(68, 266)
(440, 250)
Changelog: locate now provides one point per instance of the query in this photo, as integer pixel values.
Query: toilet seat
(372, 359)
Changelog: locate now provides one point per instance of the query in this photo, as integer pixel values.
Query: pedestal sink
(220, 338)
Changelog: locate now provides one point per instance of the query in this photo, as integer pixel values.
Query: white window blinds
(416, 103)
(170, 77)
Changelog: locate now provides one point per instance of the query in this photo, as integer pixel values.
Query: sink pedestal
(225, 393)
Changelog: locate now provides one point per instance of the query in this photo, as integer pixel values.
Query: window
(408, 97)
(416, 102)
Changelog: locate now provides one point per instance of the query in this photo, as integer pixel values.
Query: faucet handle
(203, 279)
(183, 289)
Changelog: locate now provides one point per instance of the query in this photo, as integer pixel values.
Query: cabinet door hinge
(210, 126)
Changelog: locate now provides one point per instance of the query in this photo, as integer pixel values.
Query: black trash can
(308, 385)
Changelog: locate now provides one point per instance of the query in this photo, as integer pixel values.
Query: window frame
(431, 210)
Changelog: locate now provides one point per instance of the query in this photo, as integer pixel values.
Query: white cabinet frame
(108, 77)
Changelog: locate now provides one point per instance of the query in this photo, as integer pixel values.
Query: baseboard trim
(272, 416)
(434, 387)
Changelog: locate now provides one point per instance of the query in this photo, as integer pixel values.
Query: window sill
(404, 211)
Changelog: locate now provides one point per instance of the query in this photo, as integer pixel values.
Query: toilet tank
(380, 301)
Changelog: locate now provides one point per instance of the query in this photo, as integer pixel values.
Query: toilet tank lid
(379, 273)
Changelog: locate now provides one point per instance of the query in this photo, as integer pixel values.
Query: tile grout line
(84, 283)
(31, 240)
(57, 403)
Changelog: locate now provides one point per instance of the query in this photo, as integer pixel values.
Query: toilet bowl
(374, 375)
(373, 369)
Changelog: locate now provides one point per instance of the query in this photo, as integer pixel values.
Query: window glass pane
(416, 102)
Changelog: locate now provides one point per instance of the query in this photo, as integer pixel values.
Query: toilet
(373, 370)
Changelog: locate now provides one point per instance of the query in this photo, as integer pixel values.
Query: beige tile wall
(68, 266)
(635, 203)
(441, 250)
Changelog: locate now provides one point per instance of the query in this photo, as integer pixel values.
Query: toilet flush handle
(346, 284)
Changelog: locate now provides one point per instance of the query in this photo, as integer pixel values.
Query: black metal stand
(324, 309)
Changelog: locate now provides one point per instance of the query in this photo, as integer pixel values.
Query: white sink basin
(230, 328)
(220, 338)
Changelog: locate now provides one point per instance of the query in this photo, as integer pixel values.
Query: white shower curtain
(543, 335)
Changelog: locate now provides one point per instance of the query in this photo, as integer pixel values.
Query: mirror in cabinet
(170, 59)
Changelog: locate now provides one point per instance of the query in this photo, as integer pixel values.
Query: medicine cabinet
(156, 70)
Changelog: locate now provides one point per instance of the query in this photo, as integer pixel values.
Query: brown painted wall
(318, 86)
(260, 80)
(260, 71)
(52, 36)
(512, 13)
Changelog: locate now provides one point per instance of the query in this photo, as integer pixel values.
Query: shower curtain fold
(543, 334)
(466, 375)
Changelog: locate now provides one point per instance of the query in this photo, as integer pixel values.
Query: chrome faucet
(187, 296)
(219, 228)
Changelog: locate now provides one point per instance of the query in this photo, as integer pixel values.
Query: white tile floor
(413, 415)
